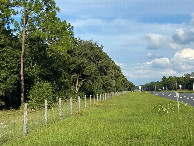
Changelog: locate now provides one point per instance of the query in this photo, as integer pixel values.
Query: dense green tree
(172, 83)
(39, 92)
(9, 53)
(9, 75)
(92, 71)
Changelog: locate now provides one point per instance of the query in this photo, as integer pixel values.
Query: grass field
(129, 119)
(11, 121)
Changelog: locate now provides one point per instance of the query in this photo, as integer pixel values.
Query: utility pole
(192, 77)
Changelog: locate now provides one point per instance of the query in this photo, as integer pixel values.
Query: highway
(185, 97)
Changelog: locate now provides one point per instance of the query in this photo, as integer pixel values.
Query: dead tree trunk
(77, 85)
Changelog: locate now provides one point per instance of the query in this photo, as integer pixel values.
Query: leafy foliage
(9, 67)
(41, 91)
(93, 71)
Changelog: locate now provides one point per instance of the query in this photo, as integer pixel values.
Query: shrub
(39, 92)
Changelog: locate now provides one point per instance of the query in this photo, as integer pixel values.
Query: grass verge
(129, 119)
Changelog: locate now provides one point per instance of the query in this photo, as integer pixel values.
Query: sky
(148, 39)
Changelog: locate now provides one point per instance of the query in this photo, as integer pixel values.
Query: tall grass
(130, 119)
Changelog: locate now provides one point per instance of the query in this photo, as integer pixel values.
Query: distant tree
(192, 74)
(187, 81)
(180, 81)
(164, 82)
(171, 82)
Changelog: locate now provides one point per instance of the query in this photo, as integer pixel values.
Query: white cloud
(153, 55)
(156, 41)
(160, 63)
(147, 72)
(182, 62)
(183, 36)
(185, 54)
(174, 46)
(192, 19)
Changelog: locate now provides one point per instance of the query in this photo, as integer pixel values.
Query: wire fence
(18, 123)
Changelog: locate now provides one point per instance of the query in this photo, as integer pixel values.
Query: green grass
(11, 121)
(129, 119)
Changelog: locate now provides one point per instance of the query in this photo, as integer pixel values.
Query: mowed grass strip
(129, 119)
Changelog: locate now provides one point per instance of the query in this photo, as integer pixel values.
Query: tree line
(171, 83)
(40, 57)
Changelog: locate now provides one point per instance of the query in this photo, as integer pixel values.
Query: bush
(39, 92)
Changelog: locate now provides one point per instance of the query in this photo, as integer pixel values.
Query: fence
(29, 119)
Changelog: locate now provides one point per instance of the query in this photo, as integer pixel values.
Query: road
(185, 97)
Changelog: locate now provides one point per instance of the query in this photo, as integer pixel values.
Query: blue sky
(148, 39)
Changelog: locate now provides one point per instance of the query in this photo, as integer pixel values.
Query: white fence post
(60, 112)
(25, 119)
(45, 114)
(94, 99)
(177, 98)
(85, 101)
(90, 100)
(79, 103)
(100, 97)
(71, 109)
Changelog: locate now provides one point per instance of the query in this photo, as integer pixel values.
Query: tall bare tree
(37, 17)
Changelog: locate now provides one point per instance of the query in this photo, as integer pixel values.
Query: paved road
(185, 97)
